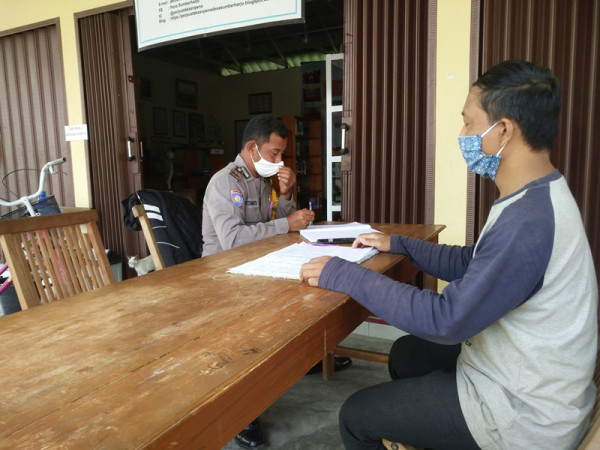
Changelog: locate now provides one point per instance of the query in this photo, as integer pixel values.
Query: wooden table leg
(430, 282)
(328, 366)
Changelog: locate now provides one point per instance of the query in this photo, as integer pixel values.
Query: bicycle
(32, 205)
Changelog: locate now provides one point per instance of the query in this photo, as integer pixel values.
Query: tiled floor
(306, 417)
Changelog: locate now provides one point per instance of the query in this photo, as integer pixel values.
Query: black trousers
(419, 406)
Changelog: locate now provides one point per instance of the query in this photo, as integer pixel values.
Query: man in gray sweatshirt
(503, 358)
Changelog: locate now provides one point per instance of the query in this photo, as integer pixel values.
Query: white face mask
(266, 168)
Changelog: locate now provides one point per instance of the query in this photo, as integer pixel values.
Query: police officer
(242, 203)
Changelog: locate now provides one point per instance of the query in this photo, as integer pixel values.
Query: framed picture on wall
(161, 124)
(259, 103)
(196, 128)
(186, 94)
(178, 123)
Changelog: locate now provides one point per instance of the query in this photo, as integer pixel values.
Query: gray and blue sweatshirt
(523, 302)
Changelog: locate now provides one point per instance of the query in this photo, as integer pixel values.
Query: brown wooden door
(33, 115)
(388, 98)
(115, 160)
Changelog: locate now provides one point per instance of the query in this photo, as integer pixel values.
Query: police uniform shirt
(237, 209)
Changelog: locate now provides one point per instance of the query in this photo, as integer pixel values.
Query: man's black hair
(260, 128)
(528, 94)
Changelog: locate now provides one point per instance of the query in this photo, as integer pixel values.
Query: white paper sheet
(346, 230)
(286, 263)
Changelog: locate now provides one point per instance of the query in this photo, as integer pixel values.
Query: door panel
(33, 115)
(113, 139)
(389, 93)
(563, 35)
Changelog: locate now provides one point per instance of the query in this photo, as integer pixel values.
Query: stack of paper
(347, 230)
(286, 263)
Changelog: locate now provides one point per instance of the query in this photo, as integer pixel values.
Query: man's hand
(287, 179)
(298, 220)
(380, 241)
(311, 271)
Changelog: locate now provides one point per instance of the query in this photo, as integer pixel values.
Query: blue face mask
(478, 161)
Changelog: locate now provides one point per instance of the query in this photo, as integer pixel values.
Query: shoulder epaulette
(239, 172)
(236, 173)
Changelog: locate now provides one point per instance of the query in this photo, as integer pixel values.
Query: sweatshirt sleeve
(507, 268)
(446, 262)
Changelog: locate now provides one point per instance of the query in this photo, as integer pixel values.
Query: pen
(310, 208)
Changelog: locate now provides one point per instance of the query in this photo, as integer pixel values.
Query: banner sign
(164, 21)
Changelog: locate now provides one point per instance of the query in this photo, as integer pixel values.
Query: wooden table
(183, 357)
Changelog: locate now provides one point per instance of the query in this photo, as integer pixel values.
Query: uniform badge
(236, 197)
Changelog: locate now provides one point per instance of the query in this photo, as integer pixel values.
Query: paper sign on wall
(76, 132)
(162, 21)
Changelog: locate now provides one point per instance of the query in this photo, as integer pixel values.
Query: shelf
(304, 156)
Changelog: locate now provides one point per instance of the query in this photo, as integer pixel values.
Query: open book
(286, 263)
(346, 230)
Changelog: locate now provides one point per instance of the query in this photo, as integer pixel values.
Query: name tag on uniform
(252, 203)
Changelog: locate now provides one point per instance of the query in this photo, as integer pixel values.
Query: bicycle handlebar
(50, 167)
(25, 200)
(56, 161)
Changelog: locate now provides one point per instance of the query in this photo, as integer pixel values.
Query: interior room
(194, 98)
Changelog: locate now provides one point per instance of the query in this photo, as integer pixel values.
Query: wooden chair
(140, 214)
(591, 439)
(51, 258)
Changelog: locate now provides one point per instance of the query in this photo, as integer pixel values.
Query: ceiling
(262, 49)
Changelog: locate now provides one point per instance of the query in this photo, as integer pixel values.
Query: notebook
(346, 230)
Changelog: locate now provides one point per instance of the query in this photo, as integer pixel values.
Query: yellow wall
(452, 86)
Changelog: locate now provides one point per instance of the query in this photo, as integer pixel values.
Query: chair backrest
(51, 258)
(140, 213)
